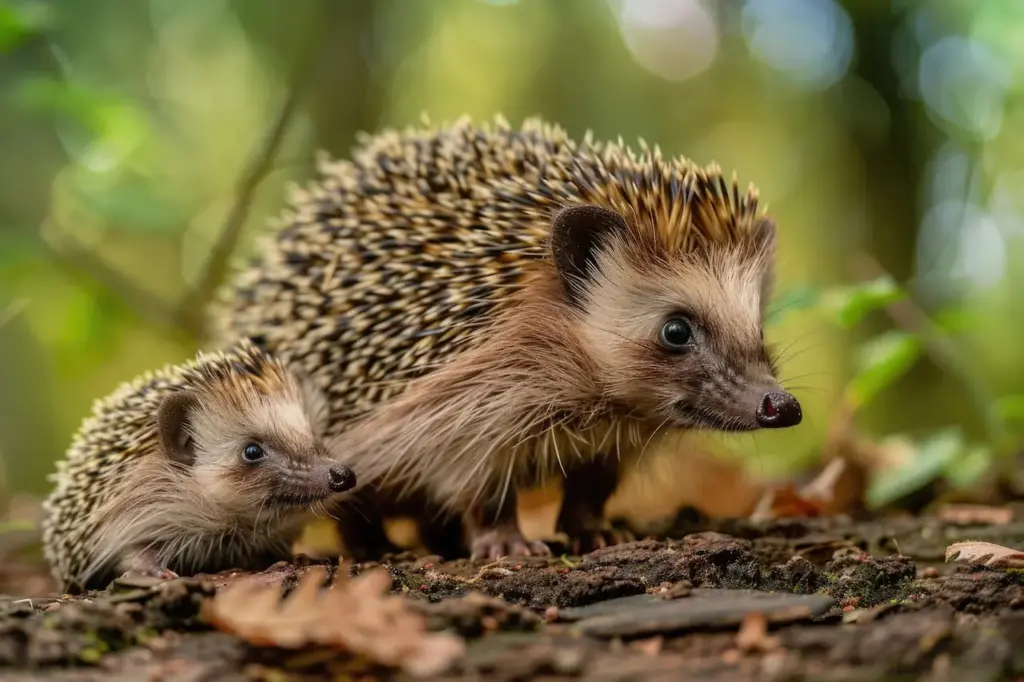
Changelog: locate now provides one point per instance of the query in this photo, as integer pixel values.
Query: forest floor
(823, 599)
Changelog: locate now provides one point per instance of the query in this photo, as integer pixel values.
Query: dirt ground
(832, 599)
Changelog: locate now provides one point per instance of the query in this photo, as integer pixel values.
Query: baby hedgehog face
(251, 441)
(675, 333)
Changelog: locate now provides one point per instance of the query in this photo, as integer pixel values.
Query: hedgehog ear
(174, 424)
(577, 234)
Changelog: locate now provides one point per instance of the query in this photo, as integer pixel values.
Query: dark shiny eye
(676, 334)
(253, 453)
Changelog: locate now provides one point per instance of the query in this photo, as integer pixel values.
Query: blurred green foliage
(891, 129)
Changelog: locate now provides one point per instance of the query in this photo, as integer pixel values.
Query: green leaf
(76, 101)
(1010, 407)
(956, 320)
(996, 25)
(881, 362)
(21, 21)
(134, 204)
(932, 458)
(111, 119)
(965, 471)
(850, 305)
(797, 298)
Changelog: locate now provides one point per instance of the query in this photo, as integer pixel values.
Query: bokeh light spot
(811, 41)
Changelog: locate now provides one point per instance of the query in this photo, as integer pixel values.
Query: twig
(909, 316)
(261, 163)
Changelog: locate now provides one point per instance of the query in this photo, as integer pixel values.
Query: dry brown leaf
(356, 615)
(818, 498)
(987, 553)
(975, 513)
(753, 634)
(785, 502)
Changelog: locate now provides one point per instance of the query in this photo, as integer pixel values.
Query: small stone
(648, 615)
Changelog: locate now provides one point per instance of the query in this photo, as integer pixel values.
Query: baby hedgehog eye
(676, 334)
(253, 453)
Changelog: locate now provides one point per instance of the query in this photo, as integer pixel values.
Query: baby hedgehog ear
(173, 422)
(577, 234)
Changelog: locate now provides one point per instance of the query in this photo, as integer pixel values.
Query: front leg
(585, 493)
(494, 533)
(144, 561)
(360, 522)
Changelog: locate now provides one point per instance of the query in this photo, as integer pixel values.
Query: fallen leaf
(975, 513)
(785, 502)
(753, 634)
(816, 498)
(353, 614)
(985, 553)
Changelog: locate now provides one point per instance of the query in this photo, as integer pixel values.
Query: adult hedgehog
(487, 308)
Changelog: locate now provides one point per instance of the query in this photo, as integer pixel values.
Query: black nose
(778, 410)
(341, 478)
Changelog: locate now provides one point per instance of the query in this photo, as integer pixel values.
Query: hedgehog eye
(253, 453)
(676, 334)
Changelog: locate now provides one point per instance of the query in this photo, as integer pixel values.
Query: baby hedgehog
(198, 467)
(489, 307)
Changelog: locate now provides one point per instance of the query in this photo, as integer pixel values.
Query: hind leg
(443, 535)
(586, 492)
(493, 532)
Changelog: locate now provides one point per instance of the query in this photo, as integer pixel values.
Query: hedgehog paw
(158, 573)
(595, 538)
(506, 541)
(145, 564)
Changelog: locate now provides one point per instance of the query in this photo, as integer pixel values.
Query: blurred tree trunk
(894, 169)
(895, 179)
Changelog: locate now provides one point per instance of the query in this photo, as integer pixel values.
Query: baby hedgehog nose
(340, 478)
(778, 410)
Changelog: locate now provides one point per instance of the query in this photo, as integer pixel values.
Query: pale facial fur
(294, 467)
(721, 378)
(210, 501)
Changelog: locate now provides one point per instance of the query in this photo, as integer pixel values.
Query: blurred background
(146, 142)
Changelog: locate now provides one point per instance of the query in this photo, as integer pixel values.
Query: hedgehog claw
(501, 542)
(593, 539)
(133, 574)
(146, 565)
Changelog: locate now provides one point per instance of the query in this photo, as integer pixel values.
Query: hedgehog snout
(340, 478)
(778, 410)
